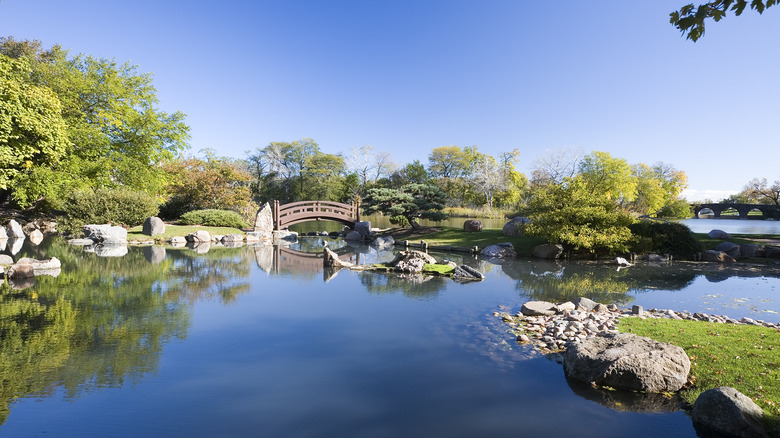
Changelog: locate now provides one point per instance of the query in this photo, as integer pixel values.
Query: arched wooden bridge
(304, 211)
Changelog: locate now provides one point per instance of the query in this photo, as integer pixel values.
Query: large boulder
(466, 273)
(628, 362)
(14, 229)
(264, 220)
(500, 251)
(711, 255)
(472, 226)
(548, 251)
(36, 237)
(514, 226)
(412, 261)
(772, 252)
(106, 233)
(383, 242)
(752, 250)
(538, 308)
(353, 236)
(718, 234)
(199, 236)
(364, 228)
(728, 412)
(729, 248)
(153, 226)
(332, 260)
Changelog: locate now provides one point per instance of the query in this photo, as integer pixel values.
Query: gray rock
(718, 234)
(472, 225)
(153, 226)
(383, 242)
(199, 236)
(499, 250)
(727, 411)
(353, 236)
(232, 238)
(585, 304)
(772, 252)
(711, 255)
(465, 272)
(628, 362)
(251, 238)
(729, 248)
(538, 308)
(264, 220)
(105, 233)
(364, 228)
(20, 271)
(752, 250)
(548, 251)
(14, 229)
(40, 265)
(36, 237)
(178, 241)
(412, 261)
(6, 260)
(513, 228)
(286, 235)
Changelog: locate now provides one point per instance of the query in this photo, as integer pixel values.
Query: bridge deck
(304, 211)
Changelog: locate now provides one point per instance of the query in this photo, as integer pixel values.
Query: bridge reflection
(280, 259)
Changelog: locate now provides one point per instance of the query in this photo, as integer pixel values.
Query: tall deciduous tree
(607, 176)
(117, 135)
(33, 134)
(763, 192)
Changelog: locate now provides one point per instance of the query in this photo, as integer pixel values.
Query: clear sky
(409, 76)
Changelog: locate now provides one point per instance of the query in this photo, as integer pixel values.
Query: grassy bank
(134, 234)
(449, 236)
(744, 357)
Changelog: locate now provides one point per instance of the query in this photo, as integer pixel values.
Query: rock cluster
(549, 327)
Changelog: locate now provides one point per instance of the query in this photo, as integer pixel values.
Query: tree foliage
(114, 134)
(690, 19)
(413, 201)
(572, 214)
(210, 183)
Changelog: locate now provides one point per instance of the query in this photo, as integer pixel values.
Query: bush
(119, 206)
(665, 238)
(213, 218)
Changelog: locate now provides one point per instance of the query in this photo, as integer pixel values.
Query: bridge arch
(305, 211)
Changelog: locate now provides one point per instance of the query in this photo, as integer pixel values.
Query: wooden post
(276, 215)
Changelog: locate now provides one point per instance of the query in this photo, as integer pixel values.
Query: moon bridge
(305, 211)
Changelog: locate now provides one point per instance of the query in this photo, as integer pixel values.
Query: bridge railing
(302, 211)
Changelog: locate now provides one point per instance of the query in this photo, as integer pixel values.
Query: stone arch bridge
(717, 209)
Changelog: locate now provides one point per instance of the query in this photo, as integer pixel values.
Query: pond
(262, 341)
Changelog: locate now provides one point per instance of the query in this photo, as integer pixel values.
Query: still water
(262, 342)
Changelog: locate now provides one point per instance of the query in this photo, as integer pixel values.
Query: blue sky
(409, 76)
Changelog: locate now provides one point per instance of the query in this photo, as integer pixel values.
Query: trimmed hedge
(213, 218)
(119, 206)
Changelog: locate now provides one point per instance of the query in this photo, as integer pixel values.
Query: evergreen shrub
(213, 218)
(665, 238)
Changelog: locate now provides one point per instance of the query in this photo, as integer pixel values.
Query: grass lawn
(177, 230)
(744, 357)
(457, 237)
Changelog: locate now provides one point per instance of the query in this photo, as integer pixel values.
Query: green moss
(744, 357)
(438, 269)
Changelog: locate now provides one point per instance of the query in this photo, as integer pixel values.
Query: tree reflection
(104, 321)
(411, 285)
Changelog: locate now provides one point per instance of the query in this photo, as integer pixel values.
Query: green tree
(608, 177)
(413, 172)
(210, 183)
(413, 202)
(572, 214)
(117, 135)
(764, 193)
(690, 19)
(33, 134)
